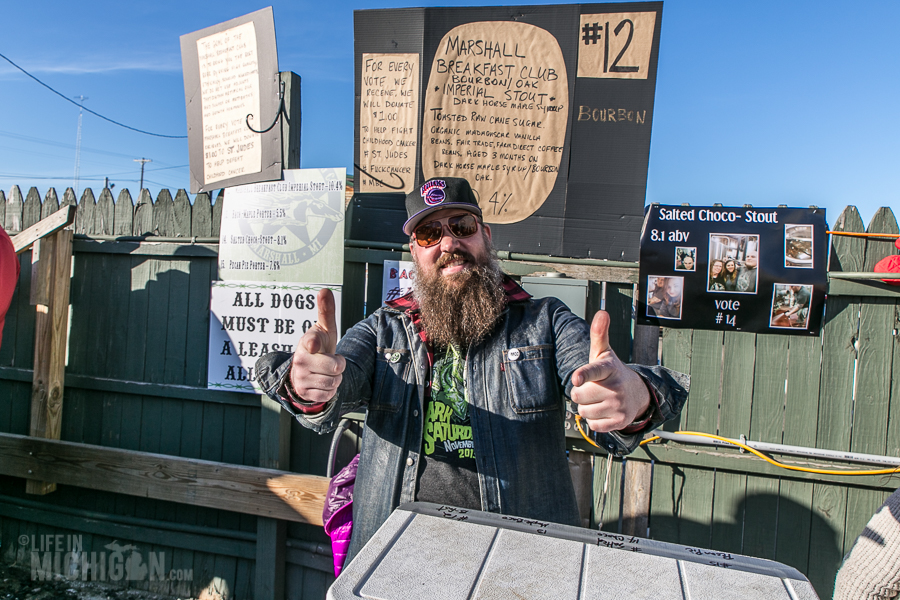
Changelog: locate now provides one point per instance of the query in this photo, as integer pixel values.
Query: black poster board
(547, 116)
(233, 68)
(753, 269)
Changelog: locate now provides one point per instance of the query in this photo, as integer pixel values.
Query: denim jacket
(517, 410)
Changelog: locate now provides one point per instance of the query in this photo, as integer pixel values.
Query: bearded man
(464, 380)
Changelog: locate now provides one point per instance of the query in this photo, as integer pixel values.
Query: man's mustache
(452, 256)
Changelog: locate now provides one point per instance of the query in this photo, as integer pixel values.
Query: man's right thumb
(326, 321)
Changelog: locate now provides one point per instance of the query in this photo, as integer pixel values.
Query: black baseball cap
(436, 194)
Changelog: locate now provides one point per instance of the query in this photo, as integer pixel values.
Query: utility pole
(143, 161)
(81, 100)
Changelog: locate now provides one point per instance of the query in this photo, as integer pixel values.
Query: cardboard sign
(397, 280)
(497, 114)
(545, 110)
(388, 122)
(734, 269)
(231, 84)
(249, 319)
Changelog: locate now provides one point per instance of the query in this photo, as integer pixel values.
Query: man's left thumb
(599, 334)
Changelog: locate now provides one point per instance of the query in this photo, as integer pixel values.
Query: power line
(118, 174)
(96, 114)
(35, 140)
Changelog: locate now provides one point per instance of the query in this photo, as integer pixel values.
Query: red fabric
(9, 275)
(889, 264)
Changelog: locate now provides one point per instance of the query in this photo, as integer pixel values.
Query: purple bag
(338, 512)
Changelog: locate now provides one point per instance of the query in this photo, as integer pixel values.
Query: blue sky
(760, 102)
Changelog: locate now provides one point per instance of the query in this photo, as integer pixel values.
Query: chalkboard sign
(546, 110)
(734, 269)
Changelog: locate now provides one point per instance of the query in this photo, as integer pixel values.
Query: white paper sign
(249, 319)
(229, 91)
(397, 279)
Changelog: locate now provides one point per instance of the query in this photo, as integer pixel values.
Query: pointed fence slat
(836, 392)
(14, 205)
(84, 216)
(181, 215)
(143, 214)
(104, 214)
(163, 218)
(31, 210)
(201, 216)
(50, 205)
(217, 213)
(69, 198)
(124, 214)
(875, 341)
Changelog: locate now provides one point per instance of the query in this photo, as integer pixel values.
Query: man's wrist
(304, 406)
(644, 419)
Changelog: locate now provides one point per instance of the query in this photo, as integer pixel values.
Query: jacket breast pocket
(389, 387)
(531, 379)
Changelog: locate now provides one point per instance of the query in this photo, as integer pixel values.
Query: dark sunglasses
(430, 233)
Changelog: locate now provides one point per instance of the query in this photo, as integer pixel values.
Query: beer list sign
(279, 244)
(545, 110)
(733, 269)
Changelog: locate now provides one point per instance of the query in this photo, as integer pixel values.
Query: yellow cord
(753, 451)
(779, 464)
(583, 434)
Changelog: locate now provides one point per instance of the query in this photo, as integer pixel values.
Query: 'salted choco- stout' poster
(733, 269)
(545, 110)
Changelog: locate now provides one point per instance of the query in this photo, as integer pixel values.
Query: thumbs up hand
(316, 371)
(609, 395)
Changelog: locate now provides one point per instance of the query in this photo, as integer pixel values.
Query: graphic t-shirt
(447, 471)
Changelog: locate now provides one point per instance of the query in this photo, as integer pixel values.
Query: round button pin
(395, 357)
(513, 354)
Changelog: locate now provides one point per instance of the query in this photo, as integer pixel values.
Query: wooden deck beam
(249, 490)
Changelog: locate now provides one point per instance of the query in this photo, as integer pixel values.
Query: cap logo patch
(433, 192)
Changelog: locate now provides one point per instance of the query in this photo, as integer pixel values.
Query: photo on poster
(739, 254)
(716, 280)
(790, 306)
(798, 246)
(685, 259)
(664, 296)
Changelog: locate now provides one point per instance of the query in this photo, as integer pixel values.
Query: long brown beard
(462, 308)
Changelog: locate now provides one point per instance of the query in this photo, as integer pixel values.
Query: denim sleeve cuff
(288, 393)
(669, 390)
(639, 425)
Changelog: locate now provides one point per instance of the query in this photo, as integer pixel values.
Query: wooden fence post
(274, 423)
(636, 505)
(271, 534)
(51, 275)
(290, 123)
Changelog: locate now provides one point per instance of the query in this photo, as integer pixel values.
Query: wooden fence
(136, 374)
